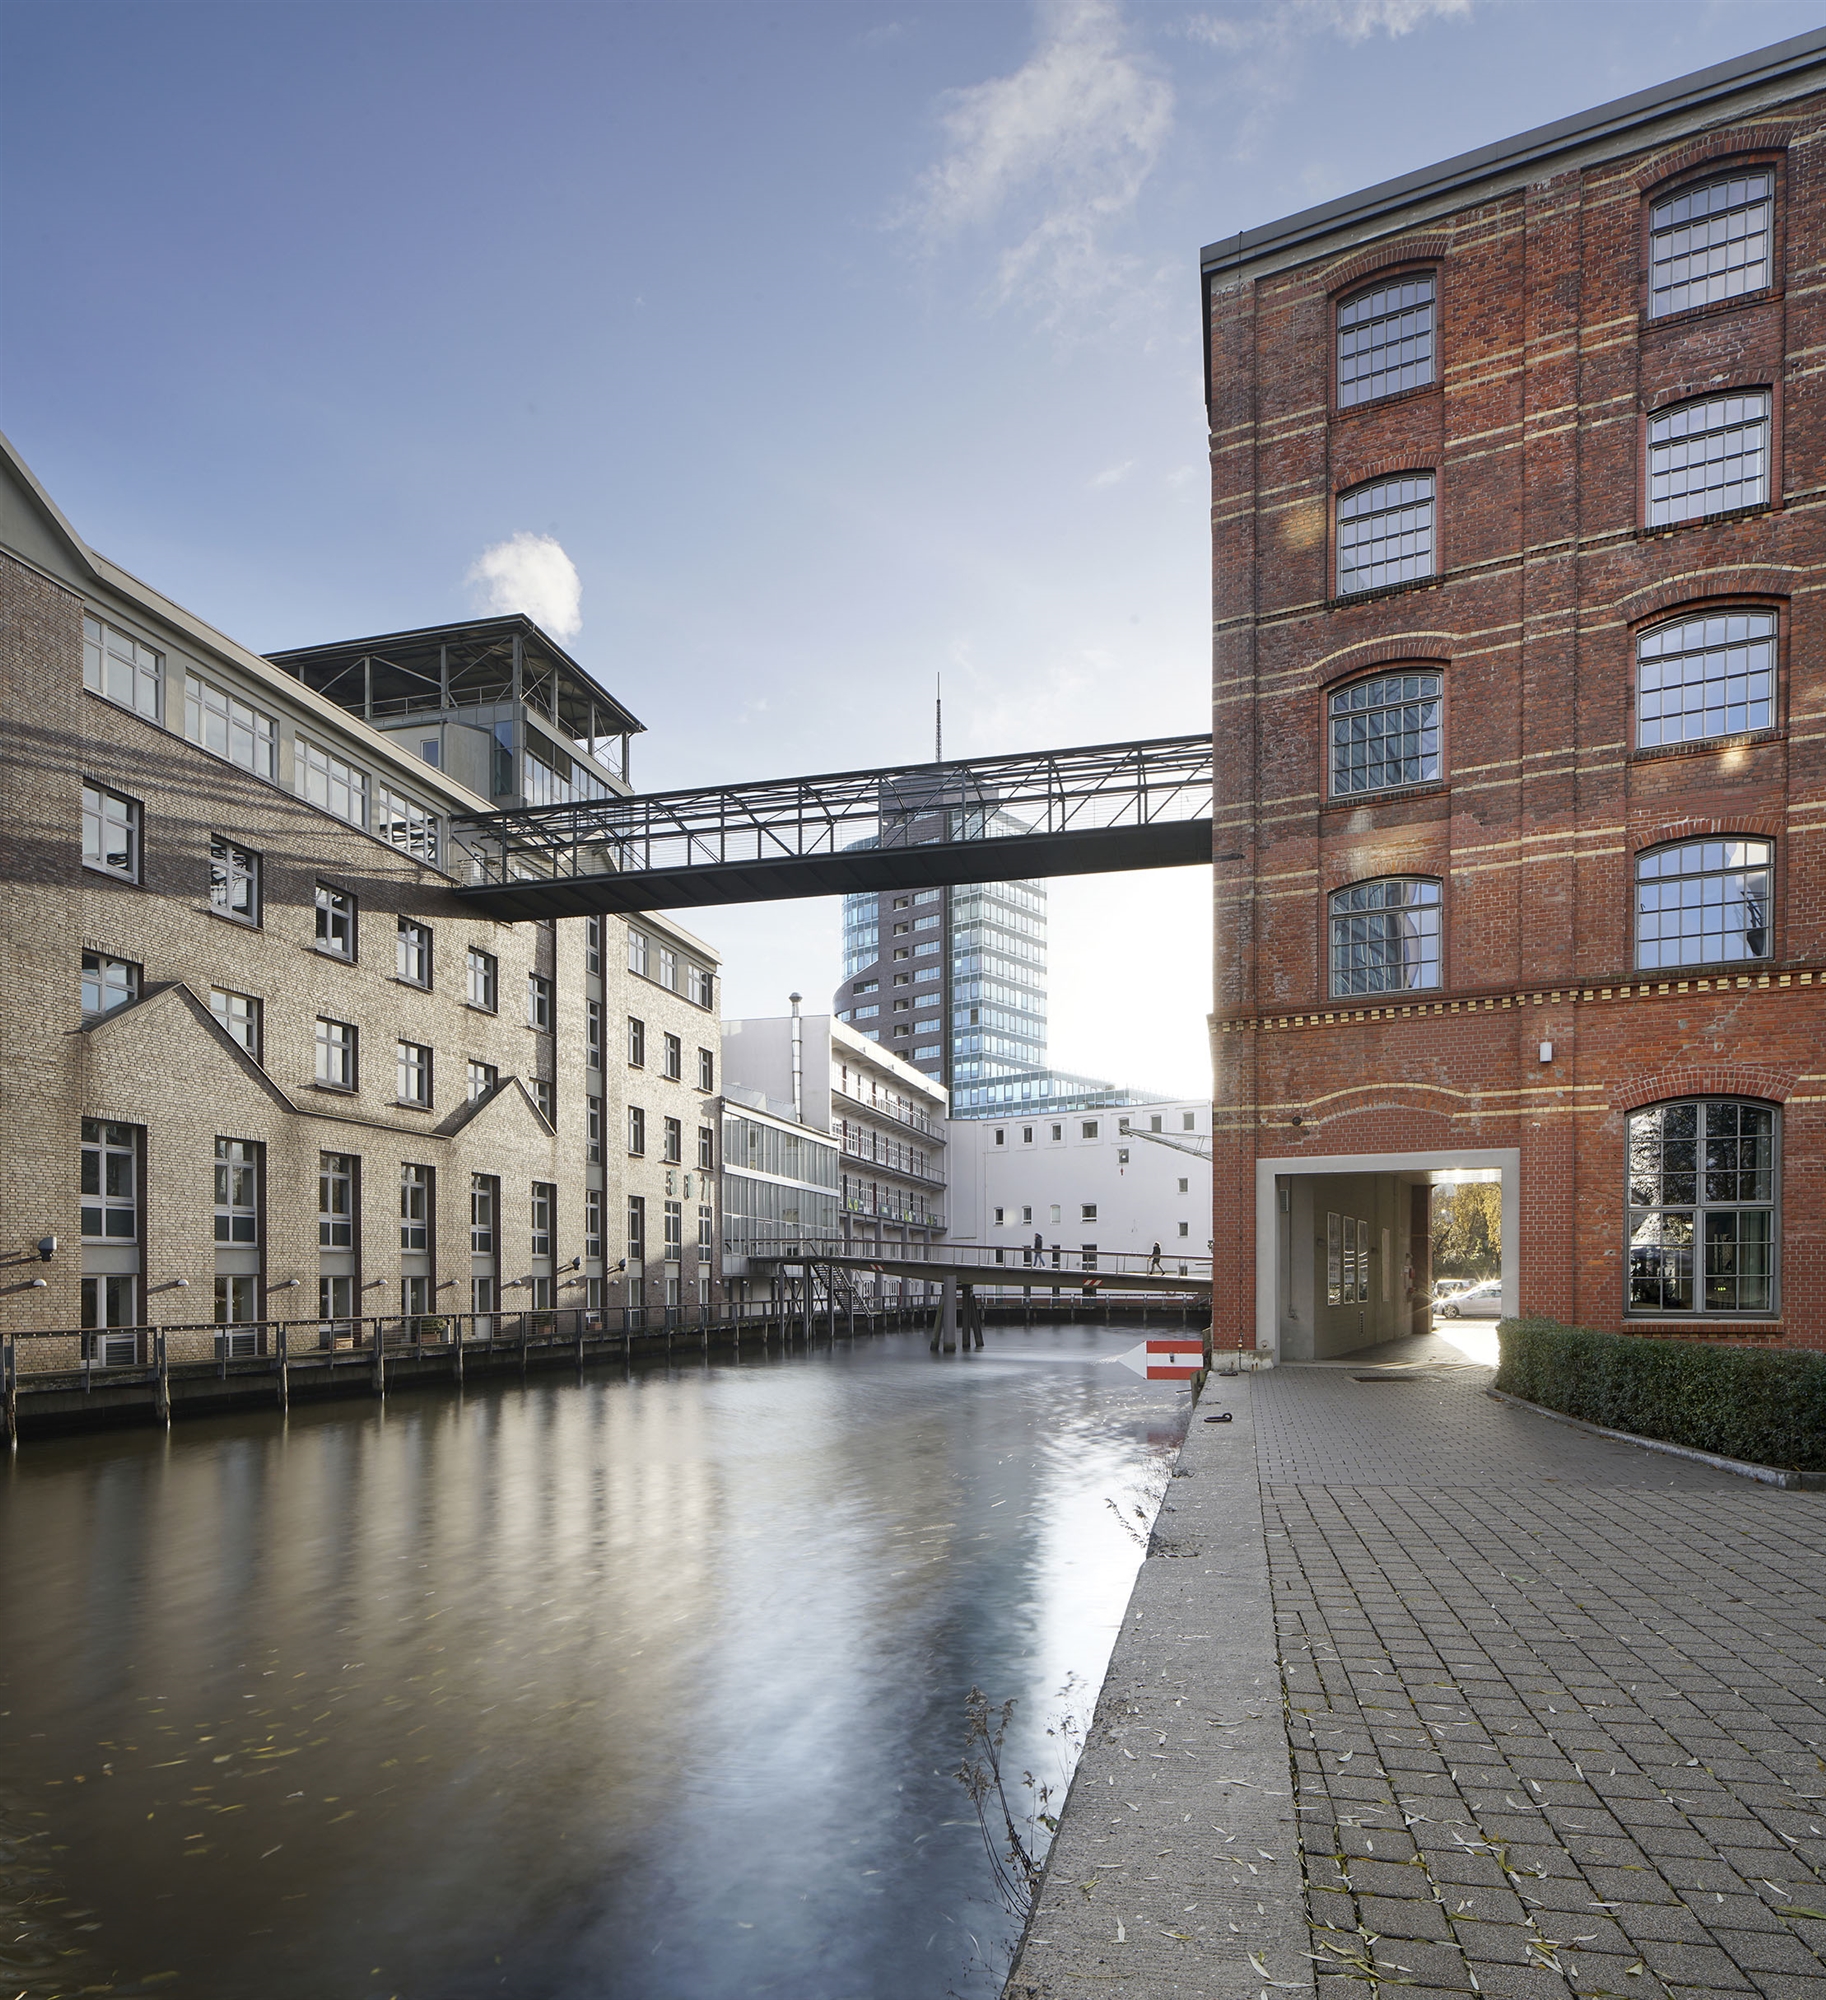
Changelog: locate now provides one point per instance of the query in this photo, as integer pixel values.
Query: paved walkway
(1555, 1708)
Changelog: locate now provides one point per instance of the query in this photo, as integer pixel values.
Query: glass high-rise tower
(954, 981)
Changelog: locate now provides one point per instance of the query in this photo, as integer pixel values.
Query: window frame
(349, 1044)
(155, 674)
(1368, 592)
(104, 962)
(336, 1170)
(1700, 1313)
(481, 973)
(238, 1178)
(103, 1201)
(672, 1057)
(637, 1132)
(1667, 620)
(1362, 677)
(417, 1207)
(134, 821)
(412, 936)
(328, 903)
(413, 1062)
(1375, 995)
(1401, 272)
(480, 1079)
(706, 1070)
(1720, 167)
(539, 1002)
(1763, 959)
(313, 765)
(254, 724)
(255, 1019)
(1654, 413)
(228, 853)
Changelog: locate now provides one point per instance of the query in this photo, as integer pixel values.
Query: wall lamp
(47, 1248)
(286, 1285)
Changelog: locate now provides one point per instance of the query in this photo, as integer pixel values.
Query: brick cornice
(1386, 256)
(1770, 138)
(1704, 586)
(1723, 1079)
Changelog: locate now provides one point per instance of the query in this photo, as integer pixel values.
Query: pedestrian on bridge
(1154, 1263)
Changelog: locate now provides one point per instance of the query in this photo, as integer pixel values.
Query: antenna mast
(938, 718)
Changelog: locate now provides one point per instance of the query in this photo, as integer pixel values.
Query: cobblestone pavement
(1555, 1705)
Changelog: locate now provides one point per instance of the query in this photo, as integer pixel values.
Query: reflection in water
(645, 1687)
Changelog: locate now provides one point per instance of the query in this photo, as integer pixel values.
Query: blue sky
(837, 345)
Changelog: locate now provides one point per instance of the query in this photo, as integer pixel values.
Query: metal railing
(883, 822)
(1052, 1263)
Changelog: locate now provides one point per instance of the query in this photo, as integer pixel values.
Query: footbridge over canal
(1096, 810)
(962, 1272)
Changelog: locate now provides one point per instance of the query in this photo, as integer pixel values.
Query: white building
(1086, 1180)
(780, 1190)
(887, 1119)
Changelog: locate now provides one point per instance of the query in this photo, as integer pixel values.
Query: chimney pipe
(798, 1060)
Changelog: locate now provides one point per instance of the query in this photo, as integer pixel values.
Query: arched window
(1385, 532)
(1710, 242)
(1385, 339)
(1385, 731)
(1704, 902)
(1702, 1207)
(1709, 676)
(1708, 457)
(1385, 936)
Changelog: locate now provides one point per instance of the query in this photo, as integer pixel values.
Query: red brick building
(1520, 702)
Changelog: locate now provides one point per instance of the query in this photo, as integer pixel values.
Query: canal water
(645, 1688)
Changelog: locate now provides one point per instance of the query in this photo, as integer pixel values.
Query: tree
(1468, 1230)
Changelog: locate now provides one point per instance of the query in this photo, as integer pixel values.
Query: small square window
(1188, 1121)
(234, 881)
(107, 983)
(999, 1215)
(1001, 1137)
(335, 921)
(1089, 1128)
(110, 833)
(1087, 1211)
(1185, 1229)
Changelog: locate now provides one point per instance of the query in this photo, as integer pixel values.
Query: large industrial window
(406, 824)
(1385, 732)
(1700, 677)
(1385, 339)
(1704, 902)
(1710, 242)
(1702, 1208)
(1708, 457)
(1385, 937)
(1385, 533)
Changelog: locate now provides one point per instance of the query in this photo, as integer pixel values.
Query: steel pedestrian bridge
(1090, 811)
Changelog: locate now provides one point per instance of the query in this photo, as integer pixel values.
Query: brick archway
(1724, 1079)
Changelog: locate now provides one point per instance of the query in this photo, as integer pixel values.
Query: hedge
(1740, 1402)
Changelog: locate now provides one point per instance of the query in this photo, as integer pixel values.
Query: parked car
(1483, 1301)
(1443, 1288)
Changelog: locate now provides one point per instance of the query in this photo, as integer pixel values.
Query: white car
(1483, 1301)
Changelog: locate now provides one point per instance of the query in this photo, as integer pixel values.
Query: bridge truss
(1089, 811)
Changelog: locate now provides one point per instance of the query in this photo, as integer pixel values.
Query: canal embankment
(1176, 1867)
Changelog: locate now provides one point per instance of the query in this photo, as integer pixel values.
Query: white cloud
(1062, 148)
(1114, 475)
(1285, 21)
(531, 573)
